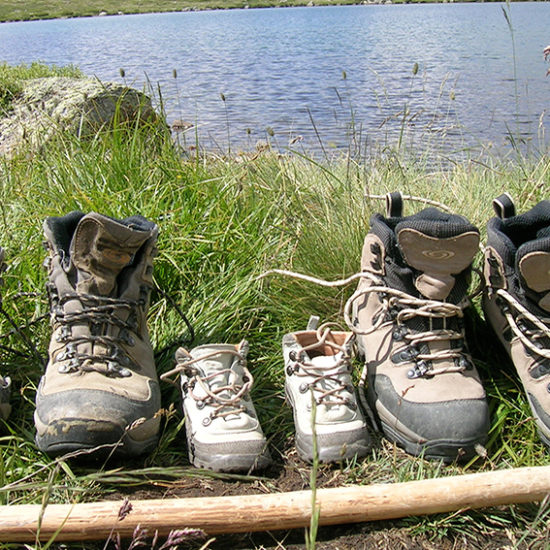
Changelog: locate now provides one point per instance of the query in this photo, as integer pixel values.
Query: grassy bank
(15, 10)
(223, 223)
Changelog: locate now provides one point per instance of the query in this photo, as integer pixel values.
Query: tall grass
(223, 224)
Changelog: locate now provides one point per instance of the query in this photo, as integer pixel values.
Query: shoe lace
(97, 312)
(325, 382)
(397, 307)
(518, 316)
(225, 399)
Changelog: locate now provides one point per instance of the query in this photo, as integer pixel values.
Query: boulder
(80, 106)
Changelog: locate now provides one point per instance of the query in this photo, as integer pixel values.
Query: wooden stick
(95, 521)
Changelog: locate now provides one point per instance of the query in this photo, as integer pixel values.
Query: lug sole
(224, 462)
(72, 435)
(442, 449)
(446, 450)
(326, 454)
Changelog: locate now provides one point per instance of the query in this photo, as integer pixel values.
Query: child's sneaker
(318, 367)
(223, 431)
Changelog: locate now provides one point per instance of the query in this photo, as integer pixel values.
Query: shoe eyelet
(206, 421)
(200, 405)
(548, 388)
(290, 370)
(303, 388)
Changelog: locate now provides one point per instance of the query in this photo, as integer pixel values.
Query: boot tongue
(100, 249)
(218, 366)
(533, 265)
(439, 247)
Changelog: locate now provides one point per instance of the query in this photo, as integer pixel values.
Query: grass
(224, 223)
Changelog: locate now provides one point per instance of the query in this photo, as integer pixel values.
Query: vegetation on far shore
(223, 223)
(16, 10)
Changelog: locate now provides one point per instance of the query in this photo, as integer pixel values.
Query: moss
(12, 78)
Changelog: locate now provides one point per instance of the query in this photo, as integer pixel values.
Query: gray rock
(81, 106)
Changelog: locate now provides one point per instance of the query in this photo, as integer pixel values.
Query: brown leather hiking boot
(517, 297)
(100, 385)
(408, 312)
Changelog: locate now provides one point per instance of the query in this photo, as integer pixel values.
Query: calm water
(319, 72)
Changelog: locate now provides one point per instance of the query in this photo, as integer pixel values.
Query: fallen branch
(214, 515)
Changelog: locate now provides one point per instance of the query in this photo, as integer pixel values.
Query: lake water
(323, 77)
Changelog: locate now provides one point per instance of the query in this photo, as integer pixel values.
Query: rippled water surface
(320, 75)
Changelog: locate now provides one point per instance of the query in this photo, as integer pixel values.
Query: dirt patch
(290, 473)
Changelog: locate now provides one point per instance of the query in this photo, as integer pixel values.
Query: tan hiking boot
(223, 430)
(408, 312)
(100, 385)
(517, 297)
(318, 366)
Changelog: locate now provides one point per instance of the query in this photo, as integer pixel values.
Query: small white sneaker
(223, 431)
(317, 366)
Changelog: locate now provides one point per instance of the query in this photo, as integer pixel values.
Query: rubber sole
(436, 449)
(233, 462)
(327, 453)
(445, 450)
(72, 435)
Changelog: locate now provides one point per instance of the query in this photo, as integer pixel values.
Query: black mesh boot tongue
(533, 265)
(102, 247)
(438, 246)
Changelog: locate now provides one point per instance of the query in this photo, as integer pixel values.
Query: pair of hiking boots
(408, 314)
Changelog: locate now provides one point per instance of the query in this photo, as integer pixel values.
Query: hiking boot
(5, 407)
(318, 369)
(223, 431)
(517, 297)
(408, 311)
(100, 386)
